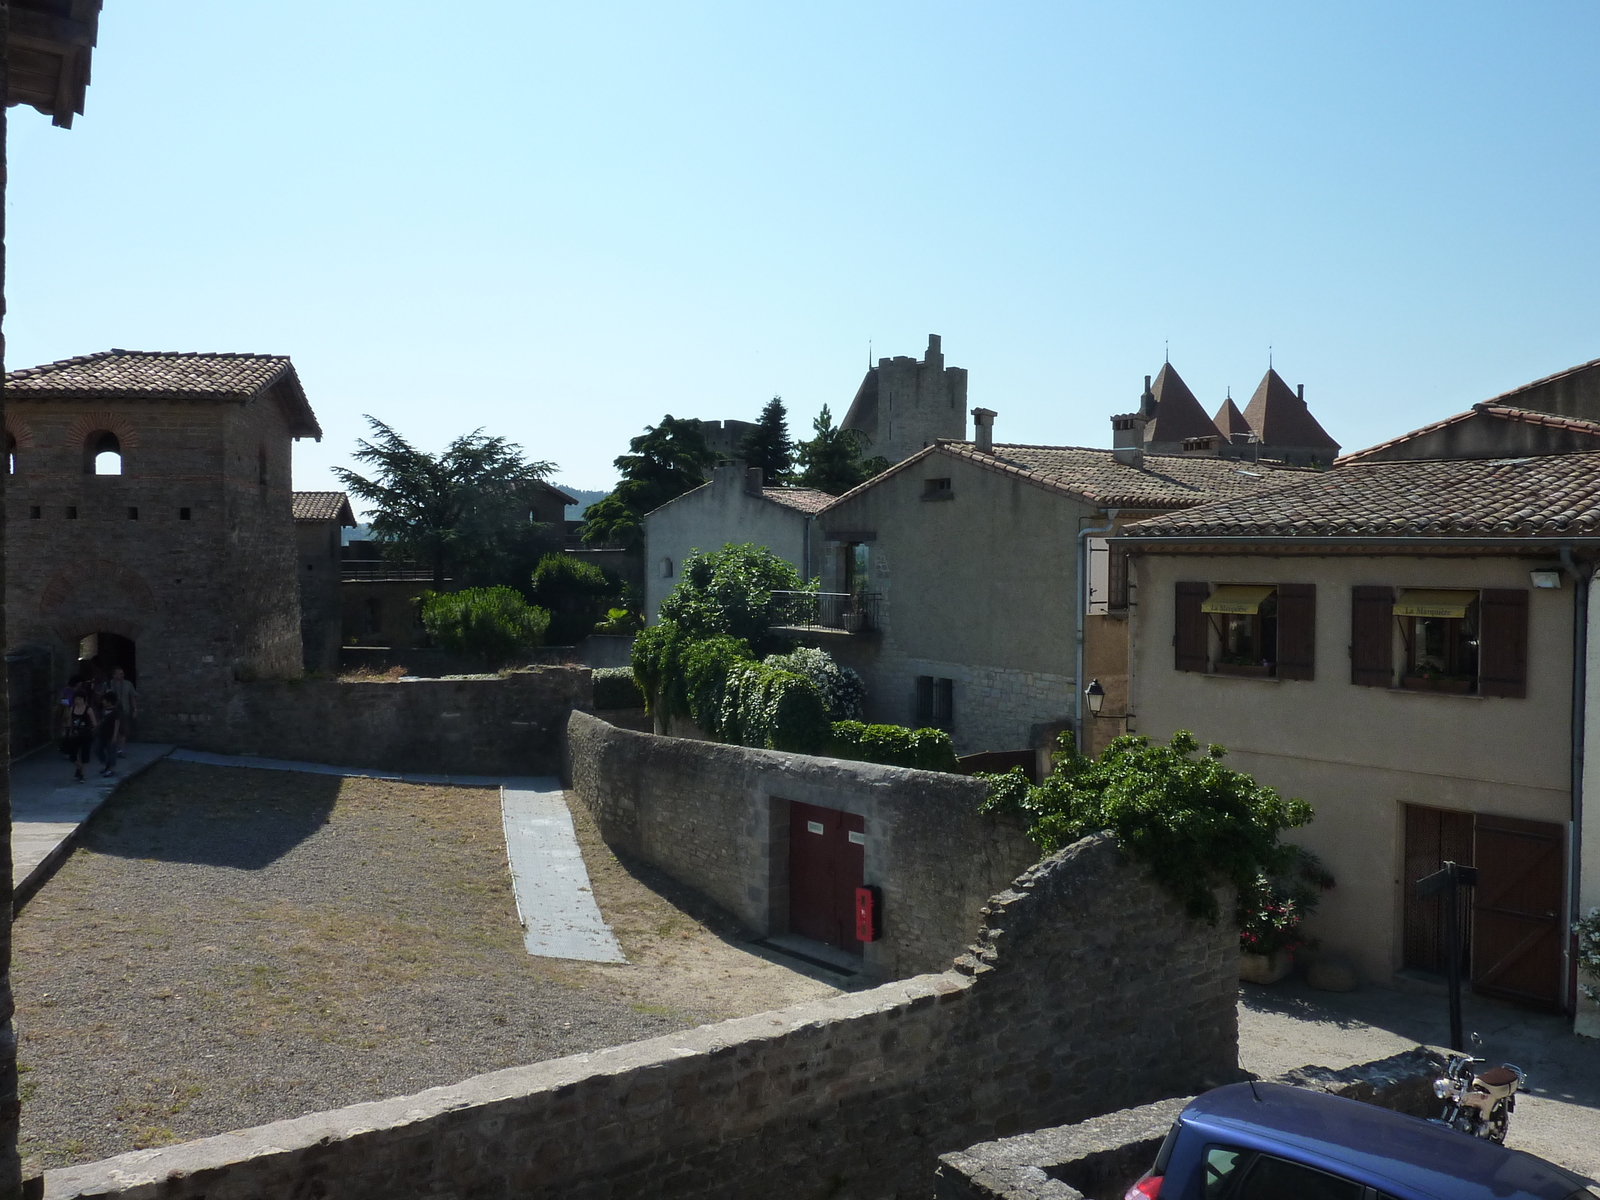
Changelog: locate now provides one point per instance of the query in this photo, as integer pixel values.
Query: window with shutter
(924, 700)
(1190, 635)
(1297, 630)
(1503, 643)
(1372, 636)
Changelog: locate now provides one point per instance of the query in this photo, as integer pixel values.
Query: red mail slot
(869, 913)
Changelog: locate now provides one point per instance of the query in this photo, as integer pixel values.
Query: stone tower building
(903, 405)
(150, 525)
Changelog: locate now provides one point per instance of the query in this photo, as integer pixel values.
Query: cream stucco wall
(979, 588)
(1359, 754)
(710, 517)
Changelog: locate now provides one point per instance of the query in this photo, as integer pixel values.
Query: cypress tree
(768, 446)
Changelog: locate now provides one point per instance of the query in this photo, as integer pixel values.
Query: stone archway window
(11, 453)
(102, 454)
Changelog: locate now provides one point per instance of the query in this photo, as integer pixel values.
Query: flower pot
(1264, 968)
(854, 622)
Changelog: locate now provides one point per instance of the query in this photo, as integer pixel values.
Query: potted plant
(1270, 914)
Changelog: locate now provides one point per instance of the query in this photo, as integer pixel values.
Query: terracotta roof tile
(1178, 413)
(806, 500)
(323, 506)
(159, 375)
(1165, 481)
(1281, 418)
(1547, 496)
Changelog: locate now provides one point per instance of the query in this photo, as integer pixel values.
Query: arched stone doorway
(105, 652)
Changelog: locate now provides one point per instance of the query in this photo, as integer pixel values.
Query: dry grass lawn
(230, 946)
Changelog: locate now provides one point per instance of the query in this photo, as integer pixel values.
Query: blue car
(1267, 1141)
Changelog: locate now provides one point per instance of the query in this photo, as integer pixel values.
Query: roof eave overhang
(1542, 545)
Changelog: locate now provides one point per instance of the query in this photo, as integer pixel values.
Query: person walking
(127, 707)
(106, 730)
(81, 722)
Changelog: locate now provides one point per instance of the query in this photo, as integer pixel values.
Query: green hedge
(893, 745)
(494, 624)
(614, 687)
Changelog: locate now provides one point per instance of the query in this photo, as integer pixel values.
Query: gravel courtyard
(229, 946)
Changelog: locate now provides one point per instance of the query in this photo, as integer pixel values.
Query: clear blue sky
(560, 221)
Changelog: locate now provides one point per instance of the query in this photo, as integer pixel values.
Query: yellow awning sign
(1237, 598)
(1433, 602)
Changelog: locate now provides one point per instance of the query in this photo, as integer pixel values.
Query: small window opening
(104, 454)
(11, 454)
(937, 489)
(72, 512)
(666, 568)
(374, 617)
(133, 513)
(261, 466)
(183, 514)
(34, 512)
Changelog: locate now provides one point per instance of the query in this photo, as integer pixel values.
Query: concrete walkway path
(559, 916)
(48, 807)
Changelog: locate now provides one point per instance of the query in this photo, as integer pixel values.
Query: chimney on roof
(753, 479)
(1300, 390)
(1127, 438)
(1147, 403)
(983, 430)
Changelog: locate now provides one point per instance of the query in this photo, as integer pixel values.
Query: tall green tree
(767, 445)
(463, 512)
(832, 460)
(662, 463)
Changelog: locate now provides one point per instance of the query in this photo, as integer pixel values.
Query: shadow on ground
(248, 824)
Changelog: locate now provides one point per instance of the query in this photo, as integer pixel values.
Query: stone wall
(716, 817)
(507, 725)
(1045, 1020)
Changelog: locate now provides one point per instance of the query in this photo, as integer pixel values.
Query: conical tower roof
(1178, 414)
(1231, 421)
(1281, 418)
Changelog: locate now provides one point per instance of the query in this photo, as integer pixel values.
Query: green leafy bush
(1193, 821)
(730, 591)
(893, 745)
(614, 688)
(493, 624)
(840, 687)
(576, 594)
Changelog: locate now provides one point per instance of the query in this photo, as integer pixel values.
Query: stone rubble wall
(716, 818)
(1047, 1019)
(509, 725)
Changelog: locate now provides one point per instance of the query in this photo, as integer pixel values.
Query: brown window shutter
(1190, 644)
(1297, 630)
(1503, 643)
(1372, 636)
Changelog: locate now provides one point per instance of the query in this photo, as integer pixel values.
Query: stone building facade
(150, 524)
(318, 519)
(904, 405)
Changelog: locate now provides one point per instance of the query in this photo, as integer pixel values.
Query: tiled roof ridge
(1490, 408)
(807, 496)
(79, 360)
(1533, 383)
(1548, 495)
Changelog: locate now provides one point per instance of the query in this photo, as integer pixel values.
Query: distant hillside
(585, 498)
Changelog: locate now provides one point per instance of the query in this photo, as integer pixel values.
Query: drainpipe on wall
(1083, 611)
(805, 549)
(1580, 687)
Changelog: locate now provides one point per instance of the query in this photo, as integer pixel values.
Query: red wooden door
(1516, 911)
(827, 863)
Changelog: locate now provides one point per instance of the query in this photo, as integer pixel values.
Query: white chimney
(753, 480)
(983, 430)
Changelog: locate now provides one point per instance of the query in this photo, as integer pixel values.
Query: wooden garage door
(826, 866)
(1433, 837)
(1516, 917)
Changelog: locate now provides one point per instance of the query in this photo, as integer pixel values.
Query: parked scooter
(1476, 1102)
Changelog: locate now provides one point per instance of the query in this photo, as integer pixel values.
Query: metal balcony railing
(827, 610)
(378, 568)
